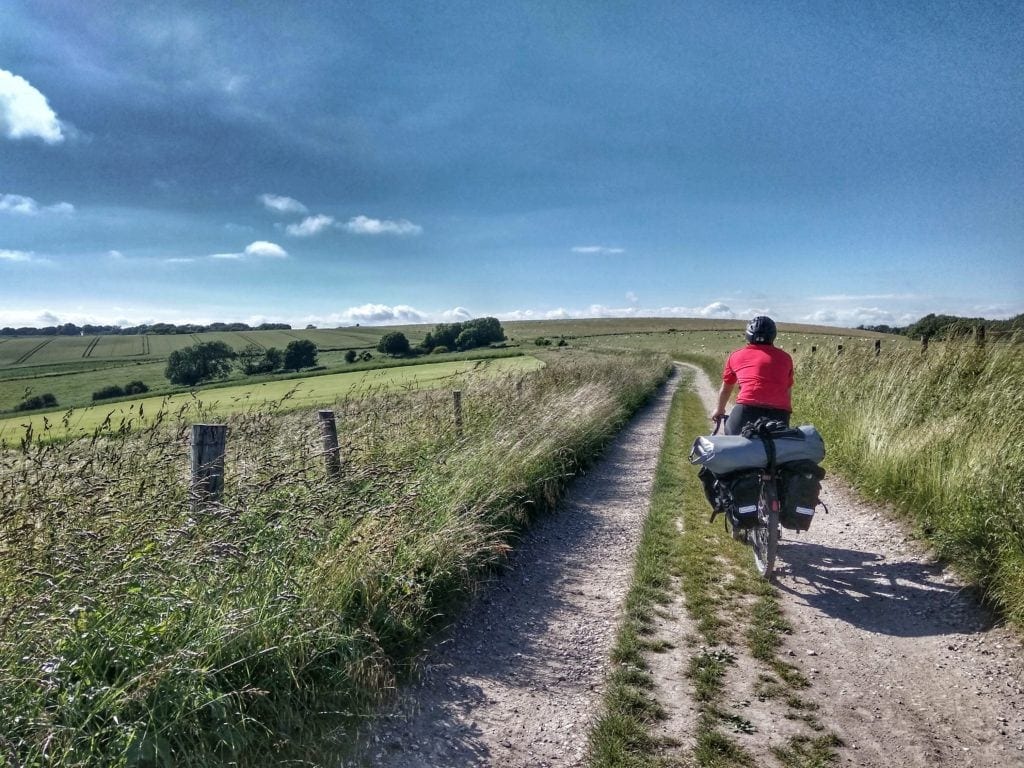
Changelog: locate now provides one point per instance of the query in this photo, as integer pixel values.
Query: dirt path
(905, 666)
(518, 680)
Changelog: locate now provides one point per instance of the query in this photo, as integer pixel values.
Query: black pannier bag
(799, 489)
(735, 494)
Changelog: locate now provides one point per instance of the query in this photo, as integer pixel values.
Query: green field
(292, 393)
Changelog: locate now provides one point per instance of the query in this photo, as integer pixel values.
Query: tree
(473, 333)
(201, 362)
(253, 359)
(300, 353)
(393, 343)
(350, 356)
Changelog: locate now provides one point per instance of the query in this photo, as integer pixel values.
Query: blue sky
(341, 162)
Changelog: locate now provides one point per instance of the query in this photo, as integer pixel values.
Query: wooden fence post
(979, 335)
(878, 347)
(813, 349)
(329, 433)
(457, 403)
(839, 349)
(924, 342)
(209, 444)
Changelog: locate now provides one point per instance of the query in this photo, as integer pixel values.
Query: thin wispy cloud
(27, 206)
(866, 297)
(603, 250)
(311, 225)
(282, 204)
(261, 249)
(25, 112)
(364, 225)
(6, 255)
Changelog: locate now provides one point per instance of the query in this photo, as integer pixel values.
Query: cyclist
(765, 376)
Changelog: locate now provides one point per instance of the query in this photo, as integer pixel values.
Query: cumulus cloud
(15, 255)
(456, 315)
(24, 111)
(631, 297)
(257, 249)
(282, 204)
(311, 225)
(363, 225)
(27, 206)
(382, 314)
(600, 249)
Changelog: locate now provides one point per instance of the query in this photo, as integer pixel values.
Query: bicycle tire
(764, 538)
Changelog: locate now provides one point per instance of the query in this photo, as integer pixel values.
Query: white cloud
(311, 225)
(363, 225)
(27, 206)
(282, 204)
(456, 315)
(717, 309)
(116, 255)
(15, 255)
(24, 111)
(601, 249)
(631, 297)
(259, 249)
(187, 260)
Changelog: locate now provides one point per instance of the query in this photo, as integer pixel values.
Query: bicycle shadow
(904, 598)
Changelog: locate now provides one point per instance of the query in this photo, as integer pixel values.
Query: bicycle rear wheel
(764, 538)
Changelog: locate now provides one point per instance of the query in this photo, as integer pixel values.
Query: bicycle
(764, 535)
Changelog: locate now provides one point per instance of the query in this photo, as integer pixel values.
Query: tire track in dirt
(906, 667)
(518, 679)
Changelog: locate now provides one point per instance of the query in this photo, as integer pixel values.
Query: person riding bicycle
(765, 377)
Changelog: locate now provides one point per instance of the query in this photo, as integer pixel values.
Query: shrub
(350, 356)
(37, 401)
(542, 342)
(439, 350)
(366, 356)
(468, 335)
(135, 388)
(108, 392)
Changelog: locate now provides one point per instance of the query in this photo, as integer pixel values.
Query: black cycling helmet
(761, 330)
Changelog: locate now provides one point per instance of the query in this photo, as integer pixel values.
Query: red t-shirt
(765, 375)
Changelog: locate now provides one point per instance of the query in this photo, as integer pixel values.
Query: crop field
(293, 393)
(45, 351)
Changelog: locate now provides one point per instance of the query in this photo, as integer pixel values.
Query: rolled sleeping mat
(722, 454)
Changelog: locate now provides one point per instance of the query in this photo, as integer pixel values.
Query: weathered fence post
(813, 349)
(329, 433)
(839, 349)
(979, 335)
(924, 342)
(457, 403)
(209, 443)
(878, 347)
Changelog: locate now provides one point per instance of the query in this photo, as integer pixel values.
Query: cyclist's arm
(724, 393)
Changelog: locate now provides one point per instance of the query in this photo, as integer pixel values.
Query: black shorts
(741, 415)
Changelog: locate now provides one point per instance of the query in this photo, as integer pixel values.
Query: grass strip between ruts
(727, 603)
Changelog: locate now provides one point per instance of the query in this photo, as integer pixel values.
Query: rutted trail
(905, 666)
(517, 680)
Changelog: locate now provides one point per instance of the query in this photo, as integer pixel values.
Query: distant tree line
(949, 326)
(158, 329)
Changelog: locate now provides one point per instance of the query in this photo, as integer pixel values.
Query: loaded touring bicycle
(763, 479)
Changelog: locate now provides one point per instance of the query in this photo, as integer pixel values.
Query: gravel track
(517, 681)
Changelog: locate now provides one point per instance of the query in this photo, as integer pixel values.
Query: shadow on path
(904, 598)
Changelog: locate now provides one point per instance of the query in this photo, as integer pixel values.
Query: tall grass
(135, 631)
(941, 434)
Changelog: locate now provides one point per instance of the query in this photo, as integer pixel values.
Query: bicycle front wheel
(765, 536)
